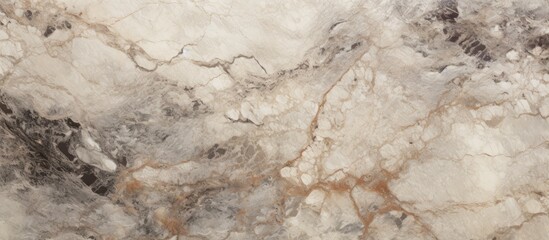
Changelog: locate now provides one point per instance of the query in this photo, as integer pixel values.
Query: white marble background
(284, 119)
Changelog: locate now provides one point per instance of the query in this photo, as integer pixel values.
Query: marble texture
(279, 119)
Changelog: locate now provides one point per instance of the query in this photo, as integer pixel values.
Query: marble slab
(274, 119)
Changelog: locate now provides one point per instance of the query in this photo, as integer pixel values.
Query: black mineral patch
(398, 222)
(448, 11)
(49, 31)
(355, 45)
(478, 49)
(540, 41)
(102, 190)
(67, 24)
(215, 151)
(454, 37)
(28, 14)
(64, 148)
(4, 108)
(468, 41)
(72, 123)
(88, 178)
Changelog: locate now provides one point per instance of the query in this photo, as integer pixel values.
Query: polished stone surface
(274, 119)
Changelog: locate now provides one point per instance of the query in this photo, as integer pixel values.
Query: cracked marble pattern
(281, 119)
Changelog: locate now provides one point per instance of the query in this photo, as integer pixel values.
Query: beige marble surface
(279, 119)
